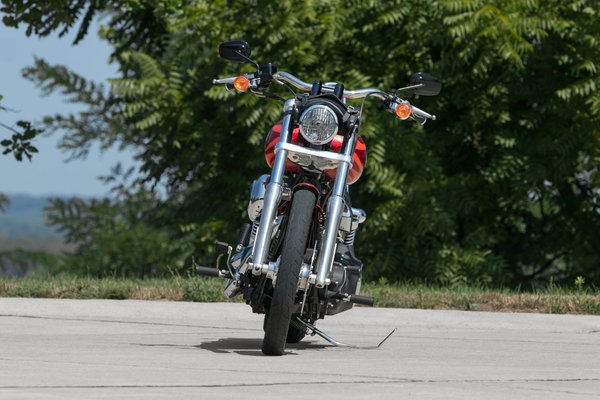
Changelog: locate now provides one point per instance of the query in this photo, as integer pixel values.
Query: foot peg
(207, 271)
(353, 298)
(316, 331)
(223, 248)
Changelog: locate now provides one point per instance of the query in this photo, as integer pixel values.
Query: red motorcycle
(295, 262)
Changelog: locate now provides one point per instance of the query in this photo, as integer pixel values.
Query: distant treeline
(26, 243)
(24, 219)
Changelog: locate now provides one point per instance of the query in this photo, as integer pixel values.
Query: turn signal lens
(403, 110)
(241, 83)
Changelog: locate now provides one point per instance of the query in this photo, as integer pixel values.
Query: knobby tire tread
(292, 255)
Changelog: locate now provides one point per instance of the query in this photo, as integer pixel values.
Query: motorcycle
(295, 261)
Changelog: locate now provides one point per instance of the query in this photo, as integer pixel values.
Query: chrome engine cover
(351, 218)
(257, 196)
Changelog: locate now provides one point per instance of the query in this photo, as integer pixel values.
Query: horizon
(49, 174)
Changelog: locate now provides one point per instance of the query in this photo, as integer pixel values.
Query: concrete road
(93, 349)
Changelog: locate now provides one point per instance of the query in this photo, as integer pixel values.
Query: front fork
(272, 197)
(335, 207)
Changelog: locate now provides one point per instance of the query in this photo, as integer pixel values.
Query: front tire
(295, 333)
(292, 256)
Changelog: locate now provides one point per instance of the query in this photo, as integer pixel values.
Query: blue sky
(48, 173)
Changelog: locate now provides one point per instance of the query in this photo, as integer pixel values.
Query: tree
(502, 189)
(19, 143)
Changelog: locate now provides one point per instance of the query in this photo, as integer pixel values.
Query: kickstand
(316, 331)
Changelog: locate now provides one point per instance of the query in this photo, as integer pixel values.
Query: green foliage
(503, 189)
(133, 23)
(19, 143)
(21, 262)
(44, 17)
(115, 238)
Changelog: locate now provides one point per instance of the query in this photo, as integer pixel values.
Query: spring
(254, 229)
(349, 239)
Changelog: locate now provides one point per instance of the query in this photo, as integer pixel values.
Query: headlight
(318, 124)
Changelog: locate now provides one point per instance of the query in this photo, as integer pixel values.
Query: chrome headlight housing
(318, 124)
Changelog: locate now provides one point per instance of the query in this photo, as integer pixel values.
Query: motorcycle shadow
(252, 346)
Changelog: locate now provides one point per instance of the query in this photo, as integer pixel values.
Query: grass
(549, 300)
(175, 289)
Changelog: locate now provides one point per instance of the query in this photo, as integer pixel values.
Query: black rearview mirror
(235, 50)
(430, 86)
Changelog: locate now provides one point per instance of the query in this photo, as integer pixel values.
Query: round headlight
(318, 124)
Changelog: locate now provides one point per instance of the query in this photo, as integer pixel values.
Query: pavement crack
(326, 382)
(554, 391)
(226, 385)
(128, 322)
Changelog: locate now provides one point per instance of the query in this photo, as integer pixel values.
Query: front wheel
(295, 333)
(286, 286)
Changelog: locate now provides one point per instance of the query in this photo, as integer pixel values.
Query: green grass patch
(552, 299)
(399, 295)
(176, 288)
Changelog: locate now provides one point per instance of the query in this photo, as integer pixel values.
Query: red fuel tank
(359, 158)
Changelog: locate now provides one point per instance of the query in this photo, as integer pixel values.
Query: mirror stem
(409, 87)
(247, 59)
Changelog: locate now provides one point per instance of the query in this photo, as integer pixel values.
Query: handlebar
(349, 94)
(229, 81)
(328, 88)
(422, 113)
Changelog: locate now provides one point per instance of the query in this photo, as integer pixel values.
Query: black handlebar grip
(207, 271)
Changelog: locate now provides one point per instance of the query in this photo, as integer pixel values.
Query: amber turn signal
(241, 83)
(403, 110)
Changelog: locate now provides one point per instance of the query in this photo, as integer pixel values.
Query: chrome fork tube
(272, 193)
(335, 207)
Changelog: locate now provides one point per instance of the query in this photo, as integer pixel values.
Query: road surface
(105, 349)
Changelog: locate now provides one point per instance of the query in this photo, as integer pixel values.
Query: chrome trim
(330, 111)
(224, 81)
(422, 113)
(257, 196)
(335, 207)
(359, 214)
(334, 158)
(269, 269)
(352, 218)
(273, 192)
(329, 243)
(304, 275)
(349, 94)
(239, 261)
(315, 331)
